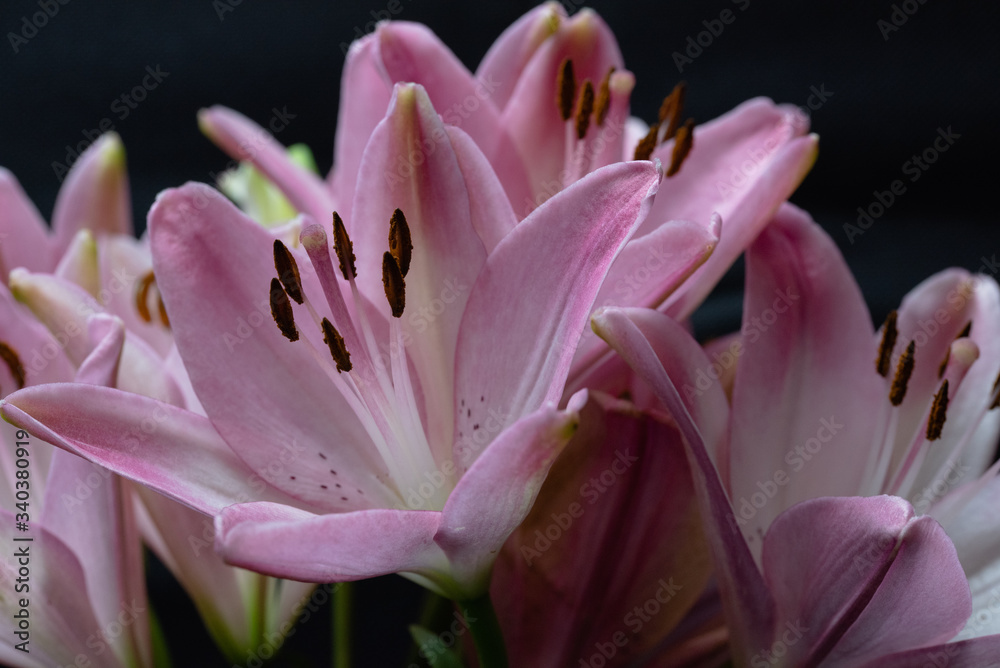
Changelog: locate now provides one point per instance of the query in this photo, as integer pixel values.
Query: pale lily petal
(24, 238)
(169, 449)
(95, 194)
(263, 393)
(806, 394)
(107, 337)
(286, 542)
(243, 139)
(496, 493)
(79, 264)
(40, 353)
(442, 203)
(858, 578)
(511, 52)
(968, 654)
(534, 340)
(645, 349)
(566, 580)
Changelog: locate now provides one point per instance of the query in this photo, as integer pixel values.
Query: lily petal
(968, 654)
(23, 232)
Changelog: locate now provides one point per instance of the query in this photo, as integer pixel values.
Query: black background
(889, 97)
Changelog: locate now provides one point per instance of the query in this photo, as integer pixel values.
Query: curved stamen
(565, 89)
(288, 271)
(13, 361)
(889, 334)
(904, 369)
(395, 287)
(400, 242)
(281, 311)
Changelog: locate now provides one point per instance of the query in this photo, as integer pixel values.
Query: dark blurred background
(891, 74)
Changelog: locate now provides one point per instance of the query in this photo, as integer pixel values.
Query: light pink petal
(442, 202)
(286, 542)
(806, 394)
(410, 52)
(568, 577)
(79, 263)
(648, 341)
(107, 337)
(859, 578)
(559, 257)
(365, 92)
(531, 117)
(24, 237)
(244, 140)
(975, 653)
(267, 396)
(742, 166)
(41, 355)
(171, 450)
(496, 493)
(60, 616)
(95, 194)
(511, 52)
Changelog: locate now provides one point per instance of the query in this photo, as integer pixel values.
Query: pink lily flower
(416, 444)
(815, 355)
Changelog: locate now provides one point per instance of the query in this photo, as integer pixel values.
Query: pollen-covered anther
(603, 102)
(671, 110)
(935, 422)
(344, 248)
(645, 147)
(565, 89)
(904, 369)
(395, 287)
(584, 108)
(13, 362)
(889, 334)
(338, 350)
(682, 146)
(142, 296)
(400, 242)
(288, 271)
(281, 311)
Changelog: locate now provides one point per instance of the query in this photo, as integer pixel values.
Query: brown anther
(645, 147)
(338, 350)
(672, 108)
(142, 297)
(584, 108)
(904, 369)
(565, 89)
(344, 248)
(965, 331)
(603, 102)
(682, 146)
(288, 271)
(944, 363)
(13, 362)
(935, 423)
(395, 287)
(889, 334)
(164, 320)
(400, 243)
(281, 311)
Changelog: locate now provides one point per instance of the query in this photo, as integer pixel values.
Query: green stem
(435, 613)
(343, 596)
(485, 629)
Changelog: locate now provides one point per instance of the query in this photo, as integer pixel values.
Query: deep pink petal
(24, 237)
(615, 526)
(267, 396)
(559, 257)
(975, 653)
(244, 140)
(806, 394)
(859, 578)
(496, 493)
(95, 194)
(286, 542)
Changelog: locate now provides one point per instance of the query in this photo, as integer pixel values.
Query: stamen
(904, 369)
(281, 311)
(400, 243)
(565, 89)
(288, 271)
(603, 102)
(889, 334)
(682, 146)
(965, 331)
(935, 423)
(13, 362)
(338, 350)
(344, 247)
(672, 108)
(142, 297)
(645, 147)
(584, 108)
(392, 281)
